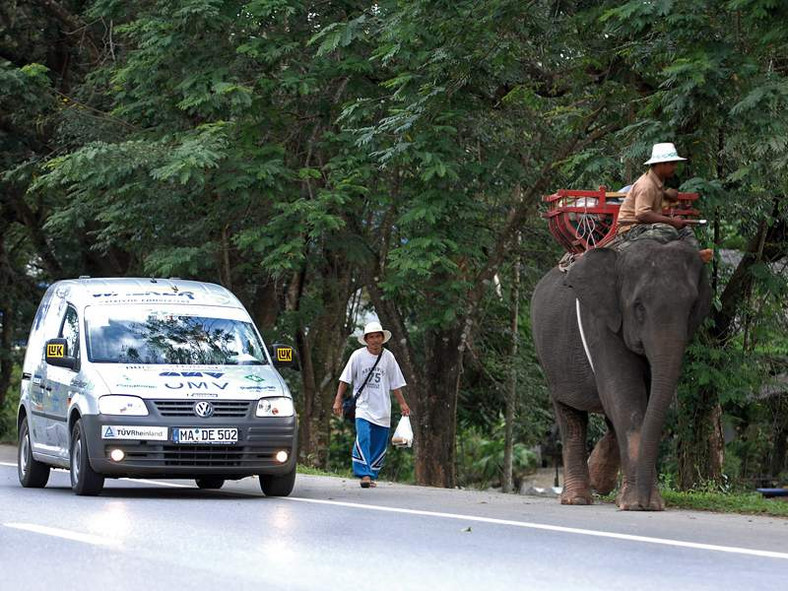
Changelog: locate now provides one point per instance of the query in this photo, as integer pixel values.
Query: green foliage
(480, 459)
(9, 408)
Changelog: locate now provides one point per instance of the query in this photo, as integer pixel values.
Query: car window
(70, 331)
(152, 337)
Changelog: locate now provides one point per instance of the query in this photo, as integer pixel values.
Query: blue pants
(369, 449)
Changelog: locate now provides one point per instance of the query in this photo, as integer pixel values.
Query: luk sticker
(284, 354)
(254, 378)
(56, 350)
(129, 432)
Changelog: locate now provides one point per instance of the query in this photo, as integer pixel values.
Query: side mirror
(57, 354)
(284, 356)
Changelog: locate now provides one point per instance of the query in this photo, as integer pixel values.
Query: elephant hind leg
(604, 463)
(574, 426)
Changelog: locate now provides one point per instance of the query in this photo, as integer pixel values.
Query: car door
(60, 380)
(45, 326)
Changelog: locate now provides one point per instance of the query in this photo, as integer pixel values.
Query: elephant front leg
(577, 483)
(627, 498)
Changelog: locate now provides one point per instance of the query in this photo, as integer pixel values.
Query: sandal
(366, 482)
(372, 484)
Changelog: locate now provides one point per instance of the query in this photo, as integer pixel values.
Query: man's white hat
(374, 327)
(664, 153)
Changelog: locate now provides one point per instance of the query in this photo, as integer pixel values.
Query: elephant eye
(640, 312)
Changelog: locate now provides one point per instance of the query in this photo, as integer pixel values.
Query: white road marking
(64, 533)
(8, 464)
(145, 481)
(556, 528)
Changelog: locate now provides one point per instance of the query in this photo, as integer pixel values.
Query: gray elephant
(610, 335)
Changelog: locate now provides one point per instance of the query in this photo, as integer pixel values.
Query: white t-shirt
(374, 404)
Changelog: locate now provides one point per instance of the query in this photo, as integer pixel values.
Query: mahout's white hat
(664, 153)
(374, 327)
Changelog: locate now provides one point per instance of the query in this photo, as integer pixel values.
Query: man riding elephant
(640, 215)
(610, 335)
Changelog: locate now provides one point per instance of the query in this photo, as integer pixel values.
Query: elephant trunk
(665, 372)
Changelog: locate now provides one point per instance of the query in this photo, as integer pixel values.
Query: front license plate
(205, 436)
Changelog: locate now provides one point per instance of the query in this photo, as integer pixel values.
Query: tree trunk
(6, 342)
(435, 429)
(511, 392)
(7, 324)
(308, 445)
(320, 349)
(700, 448)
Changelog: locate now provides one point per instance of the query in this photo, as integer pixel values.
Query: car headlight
(122, 405)
(275, 407)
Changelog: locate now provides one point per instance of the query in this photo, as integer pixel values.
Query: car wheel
(209, 482)
(84, 481)
(278, 486)
(32, 473)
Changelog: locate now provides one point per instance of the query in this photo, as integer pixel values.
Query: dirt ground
(543, 478)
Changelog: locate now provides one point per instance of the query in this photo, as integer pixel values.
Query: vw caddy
(153, 378)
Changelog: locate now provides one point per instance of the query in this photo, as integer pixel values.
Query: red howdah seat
(582, 220)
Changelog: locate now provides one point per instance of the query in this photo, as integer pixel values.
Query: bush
(480, 459)
(9, 407)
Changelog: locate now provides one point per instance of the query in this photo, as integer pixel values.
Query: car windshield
(137, 334)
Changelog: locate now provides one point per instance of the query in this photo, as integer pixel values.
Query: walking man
(375, 368)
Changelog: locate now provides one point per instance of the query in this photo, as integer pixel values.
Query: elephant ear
(702, 305)
(593, 278)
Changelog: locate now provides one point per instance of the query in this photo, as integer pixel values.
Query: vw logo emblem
(203, 409)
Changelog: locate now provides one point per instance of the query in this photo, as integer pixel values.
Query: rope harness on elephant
(583, 336)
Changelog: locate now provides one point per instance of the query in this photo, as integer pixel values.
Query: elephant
(610, 336)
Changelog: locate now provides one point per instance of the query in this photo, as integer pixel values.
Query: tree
(473, 129)
(713, 78)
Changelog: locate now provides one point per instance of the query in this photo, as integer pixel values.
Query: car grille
(197, 455)
(221, 408)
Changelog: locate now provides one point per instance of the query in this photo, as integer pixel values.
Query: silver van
(153, 377)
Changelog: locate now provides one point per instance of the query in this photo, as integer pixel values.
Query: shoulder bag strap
(369, 375)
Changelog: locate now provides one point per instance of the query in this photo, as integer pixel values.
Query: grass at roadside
(742, 503)
(309, 471)
(746, 503)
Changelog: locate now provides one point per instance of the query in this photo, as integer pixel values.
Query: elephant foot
(577, 497)
(603, 465)
(627, 500)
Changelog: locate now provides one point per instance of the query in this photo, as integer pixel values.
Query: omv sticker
(192, 374)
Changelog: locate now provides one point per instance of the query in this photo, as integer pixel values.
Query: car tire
(32, 473)
(278, 486)
(209, 482)
(84, 481)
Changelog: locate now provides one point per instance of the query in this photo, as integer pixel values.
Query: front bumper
(259, 439)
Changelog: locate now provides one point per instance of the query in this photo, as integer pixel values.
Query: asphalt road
(331, 534)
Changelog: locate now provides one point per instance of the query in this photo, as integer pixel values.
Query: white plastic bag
(403, 434)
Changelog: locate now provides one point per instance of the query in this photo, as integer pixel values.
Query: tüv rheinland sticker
(129, 432)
